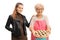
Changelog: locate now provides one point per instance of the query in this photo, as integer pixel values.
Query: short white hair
(39, 5)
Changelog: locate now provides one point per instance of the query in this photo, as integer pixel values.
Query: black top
(18, 24)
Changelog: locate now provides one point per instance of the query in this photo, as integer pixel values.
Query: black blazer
(15, 29)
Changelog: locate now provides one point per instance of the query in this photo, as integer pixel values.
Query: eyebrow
(39, 8)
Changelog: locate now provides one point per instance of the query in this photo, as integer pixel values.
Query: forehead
(39, 6)
(20, 5)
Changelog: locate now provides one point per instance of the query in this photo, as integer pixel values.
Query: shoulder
(24, 16)
(10, 17)
(33, 16)
(45, 17)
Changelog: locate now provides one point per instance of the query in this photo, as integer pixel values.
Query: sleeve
(46, 19)
(48, 26)
(27, 24)
(7, 26)
(32, 22)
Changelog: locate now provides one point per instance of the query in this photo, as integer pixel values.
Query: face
(19, 8)
(39, 9)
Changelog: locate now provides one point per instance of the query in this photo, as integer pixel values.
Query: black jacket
(15, 26)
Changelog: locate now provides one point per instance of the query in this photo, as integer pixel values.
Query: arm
(26, 22)
(31, 19)
(7, 26)
(31, 27)
(48, 26)
(31, 24)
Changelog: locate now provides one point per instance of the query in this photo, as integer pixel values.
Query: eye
(22, 8)
(39, 8)
(19, 7)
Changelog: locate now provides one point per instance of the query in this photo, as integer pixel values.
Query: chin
(20, 12)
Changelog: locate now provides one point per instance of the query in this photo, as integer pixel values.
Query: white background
(52, 10)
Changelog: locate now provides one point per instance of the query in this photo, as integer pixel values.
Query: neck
(18, 13)
(39, 16)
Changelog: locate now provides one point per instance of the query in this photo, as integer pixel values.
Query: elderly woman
(39, 25)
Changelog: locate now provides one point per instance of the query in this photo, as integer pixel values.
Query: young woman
(39, 24)
(18, 22)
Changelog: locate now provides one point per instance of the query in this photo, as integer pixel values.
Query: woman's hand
(41, 34)
(48, 30)
(35, 33)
